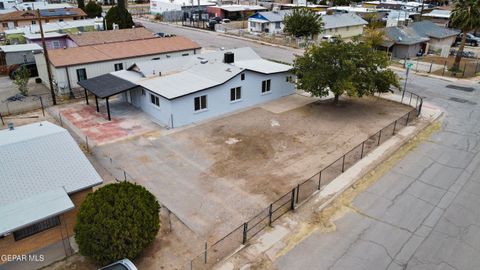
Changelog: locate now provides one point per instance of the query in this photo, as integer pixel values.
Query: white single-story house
(184, 90)
(45, 177)
(345, 25)
(160, 6)
(71, 65)
(18, 54)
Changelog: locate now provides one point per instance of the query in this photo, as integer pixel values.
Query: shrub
(117, 221)
(93, 9)
(119, 16)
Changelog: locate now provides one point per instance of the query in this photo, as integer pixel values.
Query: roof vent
(229, 58)
(204, 61)
(10, 126)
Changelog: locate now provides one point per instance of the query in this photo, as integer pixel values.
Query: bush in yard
(303, 23)
(22, 75)
(120, 16)
(93, 9)
(117, 221)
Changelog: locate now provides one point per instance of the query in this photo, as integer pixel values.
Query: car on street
(470, 40)
(124, 264)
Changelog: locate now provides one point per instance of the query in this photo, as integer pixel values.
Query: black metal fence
(228, 244)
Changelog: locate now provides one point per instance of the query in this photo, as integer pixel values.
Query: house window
(289, 79)
(34, 22)
(15, 24)
(56, 44)
(156, 58)
(185, 54)
(143, 92)
(36, 228)
(81, 74)
(200, 103)
(235, 93)
(60, 20)
(155, 100)
(5, 25)
(277, 25)
(47, 20)
(242, 76)
(266, 86)
(118, 66)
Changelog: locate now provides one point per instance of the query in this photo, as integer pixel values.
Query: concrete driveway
(424, 213)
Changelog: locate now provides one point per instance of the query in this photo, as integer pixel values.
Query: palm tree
(466, 17)
(373, 37)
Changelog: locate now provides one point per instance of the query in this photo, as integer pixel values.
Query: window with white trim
(266, 86)
(56, 44)
(118, 66)
(155, 100)
(200, 103)
(235, 93)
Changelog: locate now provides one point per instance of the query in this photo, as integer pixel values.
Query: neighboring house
(22, 18)
(71, 65)
(160, 6)
(438, 16)
(44, 178)
(102, 37)
(53, 40)
(184, 90)
(234, 12)
(420, 37)
(346, 25)
(18, 54)
(17, 36)
(270, 22)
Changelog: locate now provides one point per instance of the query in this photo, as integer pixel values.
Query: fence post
(410, 102)
(41, 103)
(60, 117)
(343, 163)
(125, 175)
(444, 66)
(379, 137)
(245, 230)
(431, 64)
(476, 68)
(205, 252)
(86, 143)
(420, 107)
(464, 68)
(270, 214)
(408, 116)
(1, 119)
(292, 203)
(319, 180)
(394, 126)
(298, 193)
(363, 146)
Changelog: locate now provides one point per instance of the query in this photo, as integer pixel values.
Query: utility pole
(47, 61)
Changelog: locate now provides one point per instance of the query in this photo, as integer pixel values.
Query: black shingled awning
(106, 85)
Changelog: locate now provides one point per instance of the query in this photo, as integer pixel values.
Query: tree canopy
(373, 37)
(352, 68)
(302, 23)
(466, 17)
(117, 221)
(118, 16)
(93, 9)
(81, 4)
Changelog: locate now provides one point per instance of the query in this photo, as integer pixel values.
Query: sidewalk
(291, 229)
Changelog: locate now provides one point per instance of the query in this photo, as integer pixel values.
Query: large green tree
(351, 68)
(302, 22)
(466, 17)
(81, 4)
(118, 16)
(117, 221)
(93, 9)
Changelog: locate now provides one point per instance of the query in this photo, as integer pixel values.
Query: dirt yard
(216, 175)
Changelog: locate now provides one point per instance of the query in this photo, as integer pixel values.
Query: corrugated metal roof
(429, 29)
(21, 48)
(38, 158)
(404, 35)
(439, 13)
(33, 209)
(106, 85)
(342, 20)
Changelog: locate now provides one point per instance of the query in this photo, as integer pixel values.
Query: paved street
(214, 41)
(424, 213)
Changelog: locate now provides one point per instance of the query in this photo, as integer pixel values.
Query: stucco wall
(441, 46)
(218, 99)
(406, 51)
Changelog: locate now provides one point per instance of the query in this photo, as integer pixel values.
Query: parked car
(471, 39)
(226, 21)
(124, 264)
(32, 68)
(329, 38)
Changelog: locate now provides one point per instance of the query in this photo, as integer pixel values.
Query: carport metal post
(108, 109)
(431, 64)
(96, 103)
(86, 95)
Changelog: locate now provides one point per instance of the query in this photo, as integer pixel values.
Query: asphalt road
(424, 213)
(214, 41)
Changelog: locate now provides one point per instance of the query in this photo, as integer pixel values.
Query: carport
(105, 86)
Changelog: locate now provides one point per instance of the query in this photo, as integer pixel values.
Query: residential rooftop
(29, 15)
(119, 50)
(40, 165)
(21, 48)
(111, 36)
(342, 20)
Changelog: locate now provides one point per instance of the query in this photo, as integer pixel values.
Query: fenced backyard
(220, 249)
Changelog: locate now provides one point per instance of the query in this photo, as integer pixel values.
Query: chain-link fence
(302, 192)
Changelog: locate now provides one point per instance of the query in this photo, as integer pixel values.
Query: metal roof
(106, 85)
(342, 20)
(271, 16)
(439, 13)
(429, 29)
(46, 35)
(404, 35)
(21, 48)
(33, 209)
(179, 76)
(36, 159)
(236, 8)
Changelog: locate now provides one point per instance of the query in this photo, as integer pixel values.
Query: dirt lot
(468, 64)
(216, 175)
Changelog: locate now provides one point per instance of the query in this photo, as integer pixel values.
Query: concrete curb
(333, 190)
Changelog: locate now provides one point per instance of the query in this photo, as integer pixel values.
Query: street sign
(409, 65)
